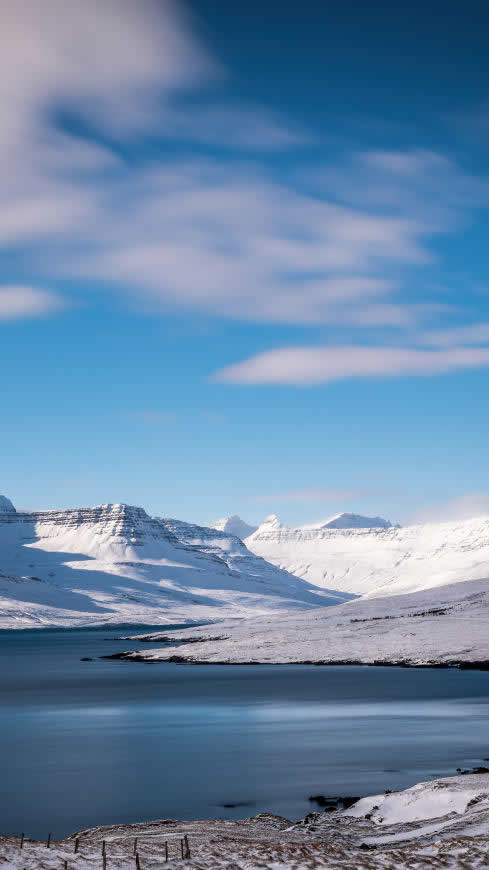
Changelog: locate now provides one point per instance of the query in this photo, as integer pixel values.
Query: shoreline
(130, 656)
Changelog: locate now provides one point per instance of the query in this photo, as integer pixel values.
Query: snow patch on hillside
(425, 800)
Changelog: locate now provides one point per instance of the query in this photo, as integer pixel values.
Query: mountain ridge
(115, 563)
(347, 520)
(378, 561)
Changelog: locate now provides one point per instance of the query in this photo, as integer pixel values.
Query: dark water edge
(86, 743)
(130, 656)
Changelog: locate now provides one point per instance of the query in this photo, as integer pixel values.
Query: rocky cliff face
(113, 525)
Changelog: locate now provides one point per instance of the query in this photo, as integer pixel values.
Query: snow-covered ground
(443, 823)
(445, 625)
(114, 563)
(378, 560)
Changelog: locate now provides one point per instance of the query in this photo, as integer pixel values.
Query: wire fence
(170, 849)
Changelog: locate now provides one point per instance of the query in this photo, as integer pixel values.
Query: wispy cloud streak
(310, 366)
(18, 302)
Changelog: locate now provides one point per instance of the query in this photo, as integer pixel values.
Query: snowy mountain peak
(272, 521)
(234, 526)
(6, 505)
(354, 521)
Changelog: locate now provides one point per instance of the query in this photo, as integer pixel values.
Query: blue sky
(244, 257)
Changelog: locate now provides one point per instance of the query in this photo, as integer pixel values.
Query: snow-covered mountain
(351, 521)
(114, 563)
(379, 560)
(234, 526)
(446, 625)
(6, 505)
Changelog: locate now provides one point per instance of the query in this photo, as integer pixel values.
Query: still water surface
(90, 743)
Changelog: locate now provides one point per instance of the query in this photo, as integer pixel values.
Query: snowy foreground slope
(446, 625)
(443, 823)
(114, 563)
(377, 561)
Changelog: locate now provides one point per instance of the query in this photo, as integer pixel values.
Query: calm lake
(90, 743)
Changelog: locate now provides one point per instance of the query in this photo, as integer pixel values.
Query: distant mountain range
(115, 564)
(368, 556)
(236, 526)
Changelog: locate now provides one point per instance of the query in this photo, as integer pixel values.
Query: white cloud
(230, 242)
(426, 185)
(104, 59)
(465, 507)
(476, 333)
(411, 164)
(124, 65)
(107, 62)
(320, 365)
(17, 302)
(219, 237)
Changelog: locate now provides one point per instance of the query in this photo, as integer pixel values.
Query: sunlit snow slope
(442, 626)
(114, 563)
(377, 561)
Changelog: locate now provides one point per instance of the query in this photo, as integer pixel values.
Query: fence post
(48, 842)
(137, 861)
(103, 847)
(181, 847)
(187, 847)
(166, 850)
(135, 846)
(76, 844)
(22, 840)
(66, 865)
